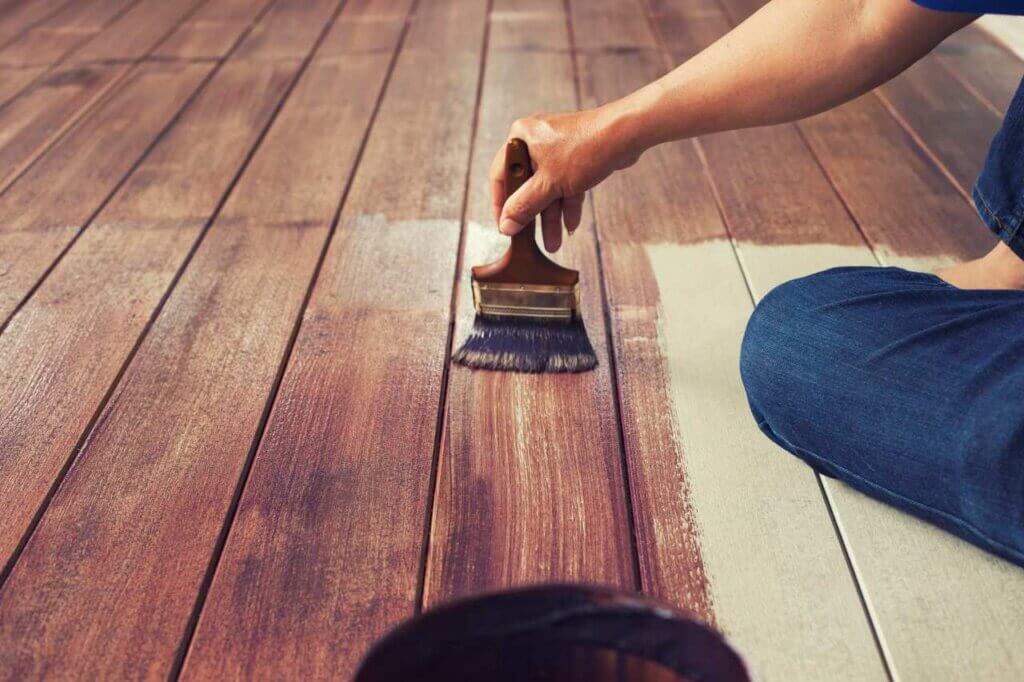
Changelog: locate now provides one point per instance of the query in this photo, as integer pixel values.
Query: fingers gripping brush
(528, 307)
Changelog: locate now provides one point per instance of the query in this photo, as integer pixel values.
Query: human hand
(571, 153)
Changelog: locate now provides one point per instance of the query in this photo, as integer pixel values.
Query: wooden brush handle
(524, 262)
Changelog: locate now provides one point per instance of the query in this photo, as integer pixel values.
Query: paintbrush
(527, 306)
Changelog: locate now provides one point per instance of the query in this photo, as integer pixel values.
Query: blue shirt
(975, 6)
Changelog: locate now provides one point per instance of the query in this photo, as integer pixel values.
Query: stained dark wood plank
(530, 485)
(133, 34)
(94, 592)
(901, 200)
(212, 30)
(328, 541)
(289, 27)
(932, 104)
(18, 15)
(64, 349)
(985, 66)
(610, 25)
(895, 191)
(53, 39)
(14, 79)
(46, 109)
(44, 210)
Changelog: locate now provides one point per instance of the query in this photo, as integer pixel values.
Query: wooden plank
(287, 30)
(42, 212)
(903, 203)
(161, 448)
(47, 109)
(609, 25)
(328, 542)
(212, 31)
(923, 588)
(19, 15)
(530, 484)
(769, 557)
(64, 349)
(13, 80)
(52, 40)
(133, 34)
(987, 68)
(930, 102)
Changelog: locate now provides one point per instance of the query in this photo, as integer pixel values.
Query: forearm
(791, 59)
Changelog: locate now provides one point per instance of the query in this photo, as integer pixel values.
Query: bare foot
(1000, 268)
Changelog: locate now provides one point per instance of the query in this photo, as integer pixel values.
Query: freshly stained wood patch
(69, 341)
(42, 212)
(61, 33)
(933, 103)
(47, 109)
(135, 32)
(212, 30)
(170, 462)
(333, 516)
(530, 485)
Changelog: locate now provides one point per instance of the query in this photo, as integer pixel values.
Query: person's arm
(791, 59)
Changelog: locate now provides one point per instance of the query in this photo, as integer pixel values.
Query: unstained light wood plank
(107, 584)
(325, 553)
(48, 205)
(530, 485)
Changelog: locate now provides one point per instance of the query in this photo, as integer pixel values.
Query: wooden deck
(234, 248)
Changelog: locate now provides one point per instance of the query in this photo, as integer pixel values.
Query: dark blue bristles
(525, 344)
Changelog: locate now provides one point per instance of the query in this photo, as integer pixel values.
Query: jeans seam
(956, 520)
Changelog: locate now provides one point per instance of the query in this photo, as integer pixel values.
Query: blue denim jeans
(903, 386)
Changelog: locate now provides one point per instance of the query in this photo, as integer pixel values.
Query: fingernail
(509, 226)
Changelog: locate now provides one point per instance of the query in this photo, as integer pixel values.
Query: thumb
(525, 203)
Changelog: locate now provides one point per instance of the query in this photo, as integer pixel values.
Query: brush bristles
(526, 344)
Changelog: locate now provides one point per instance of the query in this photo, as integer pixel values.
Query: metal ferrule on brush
(551, 302)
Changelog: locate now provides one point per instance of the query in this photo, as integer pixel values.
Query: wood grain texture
(48, 205)
(530, 485)
(18, 15)
(93, 591)
(48, 108)
(987, 68)
(289, 27)
(933, 104)
(64, 349)
(135, 32)
(610, 25)
(901, 200)
(645, 205)
(678, 308)
(325, 553)
(211, 31)
(14, 79)
(53, 39)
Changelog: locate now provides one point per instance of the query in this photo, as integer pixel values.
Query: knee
(767, 350)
